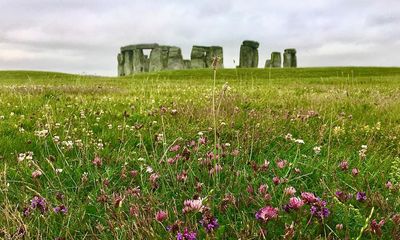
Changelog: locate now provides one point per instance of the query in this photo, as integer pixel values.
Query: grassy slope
(355, 106)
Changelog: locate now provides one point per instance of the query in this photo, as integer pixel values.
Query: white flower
(149, 169)
(21, 157)
(59, 170)
(317, 149)
(299, 141)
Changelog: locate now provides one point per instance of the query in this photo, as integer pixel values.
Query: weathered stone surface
(215, 51)
(186, 64)
(139, 46)
(120, 59)
(289, 58)
(251, 43)
(276, 60)
(175, 60)
(146, 63)
(128, 62)
(198, 57)
(138, 61)
(158, 59)
(249, 54)
(268, 63)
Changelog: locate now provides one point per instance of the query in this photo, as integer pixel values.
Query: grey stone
(186, 64)
(251, 43)
(120, 59)
(215, 51)
(267, 63)
(276, 60)
(198, 57)
(248, 54)
(289, 58)
(139, 46)
(158, 59)
(128, 62)
(138, 62)
(175, 60)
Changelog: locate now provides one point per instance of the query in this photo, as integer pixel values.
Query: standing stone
(175, 59)
(128, 62)
(215, 51)
(198, 57)
(138, 62)
(268, 63)
(158, 59)
(120, 59)
(276, 60)
(146, 63)
(249, 54)
(187, 64)
(289, 58)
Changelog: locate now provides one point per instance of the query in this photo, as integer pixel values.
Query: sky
(84, 36)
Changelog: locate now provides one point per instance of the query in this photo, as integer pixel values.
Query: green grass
(132, 122)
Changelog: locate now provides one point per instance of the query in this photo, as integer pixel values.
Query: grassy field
(308, 153)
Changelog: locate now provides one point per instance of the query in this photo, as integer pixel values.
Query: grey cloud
(66, 35)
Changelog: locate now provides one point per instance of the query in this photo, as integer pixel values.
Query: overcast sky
(84, 36)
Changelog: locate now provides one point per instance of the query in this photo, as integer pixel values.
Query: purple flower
(61, 209)
(318, 209)
(186, 235)
(361, 196)
(40, 203)
(209, 223)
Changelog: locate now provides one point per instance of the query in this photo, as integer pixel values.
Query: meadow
(306, 153)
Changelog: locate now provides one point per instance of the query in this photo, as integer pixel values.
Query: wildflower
(281, 163)
(308, 197)
(389, 185)
(354, 172)
(182, 177)
(21, 157)
(118, 199)
(153, 180)
(289, 137)
(161, 216)
(216, 169)
(186, 235)
(61, 209)
(376, 228)
(175, 148)
(343, 197)
(299, 141)
(339, 227)
(97, 161)
(344, 165)
(209, 222)
(40, 203)
(361, 196)
(319, 210)
(276, 180)
(267, 213)
(26, 211)
(294, 203)
(263, 189)
(195, 205)
(149, 169)
(36, 174)
(58, 170)
(290, 191)
(317, 149)
(289, 231)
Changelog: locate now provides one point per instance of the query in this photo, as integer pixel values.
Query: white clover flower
(317, 149)
(299, 141)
